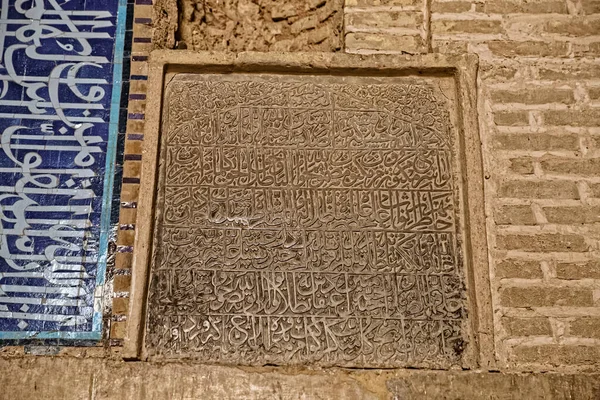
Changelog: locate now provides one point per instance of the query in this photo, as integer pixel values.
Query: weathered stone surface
(514, 215)
(586, 327)
(496, 386)
(533, 296)
(583, 270)
(543, 242)
(518, 269)
(539, 189)
(307, 220)
(527, 326)
(411, 44)
(531, 7)
(537, 141)
(560, 354)
(102, 379)
(262, 25)
(522, 166)
(165, 17)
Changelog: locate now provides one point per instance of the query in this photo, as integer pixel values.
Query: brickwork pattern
(539, 111)
(133, 112)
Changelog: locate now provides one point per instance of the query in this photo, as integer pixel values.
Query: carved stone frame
(164, 65)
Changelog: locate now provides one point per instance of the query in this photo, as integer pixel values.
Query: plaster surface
(98, 379)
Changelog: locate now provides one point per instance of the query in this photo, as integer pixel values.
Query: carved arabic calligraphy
(306, 223)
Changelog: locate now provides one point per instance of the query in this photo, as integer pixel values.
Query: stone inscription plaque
(307, 219)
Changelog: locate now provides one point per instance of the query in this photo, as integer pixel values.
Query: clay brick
(283, 10)
(511, 118)
(381, 41)
(497, 73)
(537, 141)
(567, 166)
(534, 96)
(142, 30)
(318, 35)
(527, 326)
(129, 192)
(557, 354)
(593, 49)
(572, 215)
(595, 189)
(574, 26)
(590, 117)
(507, 48)
(450, 6)
(366, 3)
(122, 283)
(303, 24)
(138, 47)
(591, 7)
(543, 242)
(143, 11)
(518, 269)
(405, 19)
(118, 329)
(126, 237)
(545, 296)
(595, 140)
(539, 190)
(137, 106)
(120, 305)
(570, 72)
(132, 169)
(484, 26)
(135, 125)
(123, 260)
(594, 93)
(531, 7)
(449, 46)
(585, 327)
(133, 146)
(127, 215)
(138, 86)
(574, 271)
(521, 166)
(138, 68)
(587, 49)
(514, 215)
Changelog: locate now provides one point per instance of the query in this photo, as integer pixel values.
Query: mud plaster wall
(539, 115)
(242, 25)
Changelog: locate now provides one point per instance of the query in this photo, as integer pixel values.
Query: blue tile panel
(60, 90)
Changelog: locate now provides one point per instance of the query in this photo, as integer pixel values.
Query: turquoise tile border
(109, 172)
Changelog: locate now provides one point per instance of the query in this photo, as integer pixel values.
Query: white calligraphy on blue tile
(76, 54)
(59, 267)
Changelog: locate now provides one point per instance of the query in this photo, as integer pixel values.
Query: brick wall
(539, 111)
(134, 115)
